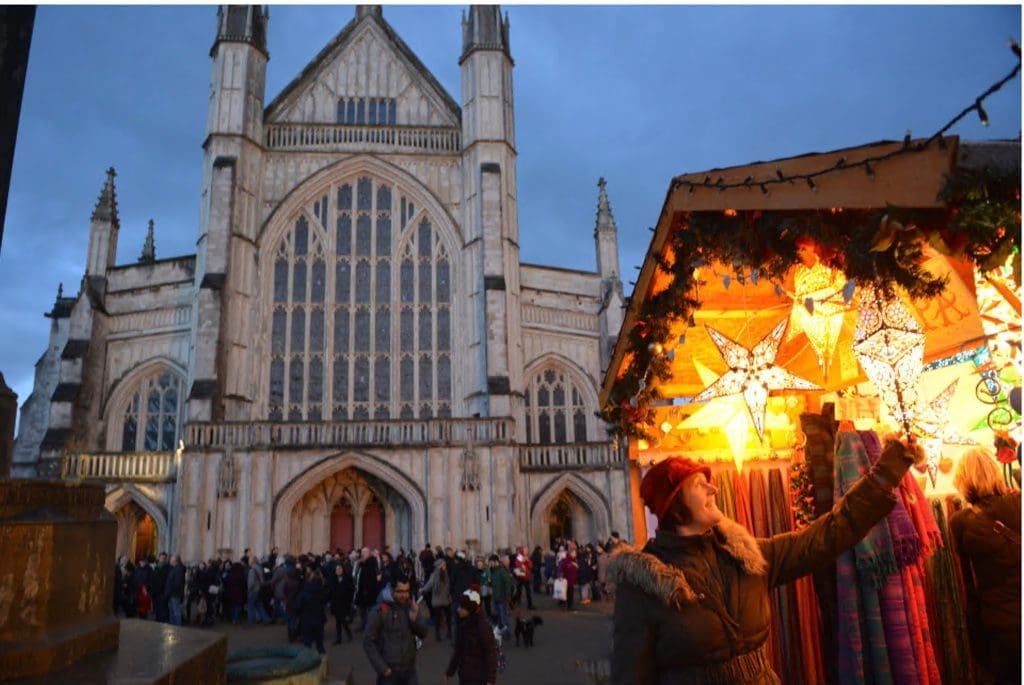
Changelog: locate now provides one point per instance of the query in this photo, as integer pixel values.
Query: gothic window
(361, 314)
(152, 420)
(374, 111)
(298, 324)
(555, 410)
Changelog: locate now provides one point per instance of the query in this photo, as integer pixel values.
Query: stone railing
(559, 318)
(337, 138)
(303, 434)
(133, 467)
(572, 456)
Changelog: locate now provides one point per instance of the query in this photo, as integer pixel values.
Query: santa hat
(663, 482)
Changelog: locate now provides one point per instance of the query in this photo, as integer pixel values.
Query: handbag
(213, 589)
(560, 589)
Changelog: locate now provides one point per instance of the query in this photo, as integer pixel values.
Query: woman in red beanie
(693, 606)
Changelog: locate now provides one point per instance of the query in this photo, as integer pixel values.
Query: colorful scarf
(861, 572)
(906, 543)
(920, 514)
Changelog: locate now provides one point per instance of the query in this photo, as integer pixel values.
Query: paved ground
(568, 649)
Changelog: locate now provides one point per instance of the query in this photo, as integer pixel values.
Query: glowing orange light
(730, 212)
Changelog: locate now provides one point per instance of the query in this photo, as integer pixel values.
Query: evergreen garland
(881, 248)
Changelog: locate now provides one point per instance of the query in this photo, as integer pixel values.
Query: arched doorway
(350, 508)
(560, 521)
(145, 537)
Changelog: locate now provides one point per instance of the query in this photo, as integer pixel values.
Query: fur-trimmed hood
(668, 583)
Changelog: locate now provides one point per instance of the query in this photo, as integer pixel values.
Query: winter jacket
(175, 586)
(343, 592)
(389, 639)
(522, 568)
(367, 587)
(570, 570)
(990, 560)
(234, 585)
(463, 576)
(476, 651)
(696, 609)
(502, 583)
(310, 604)
(253, 580)
(440, 589)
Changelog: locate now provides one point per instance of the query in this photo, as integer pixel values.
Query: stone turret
(103, 230)
(221, 366)
(490, 217)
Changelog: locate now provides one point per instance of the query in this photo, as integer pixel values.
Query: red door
(373, 526)
(342, 528)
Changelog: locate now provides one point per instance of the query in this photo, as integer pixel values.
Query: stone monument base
(150, 653)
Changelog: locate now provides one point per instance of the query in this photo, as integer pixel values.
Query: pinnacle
(148, 255)
(106, 205)
(605, 219)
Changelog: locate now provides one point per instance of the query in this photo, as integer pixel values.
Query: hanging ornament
(752, 373)
(819, 302)
(934, 421)
(889, 345)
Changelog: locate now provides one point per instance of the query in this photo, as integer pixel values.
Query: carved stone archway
(124, 502)
(589, 500)
(302, 510)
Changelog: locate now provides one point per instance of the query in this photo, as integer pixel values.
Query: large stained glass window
(360, 324)
(152, 419)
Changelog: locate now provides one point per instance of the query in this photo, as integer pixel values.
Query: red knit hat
(661, 484)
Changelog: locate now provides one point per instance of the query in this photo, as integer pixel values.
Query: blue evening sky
(634, 94)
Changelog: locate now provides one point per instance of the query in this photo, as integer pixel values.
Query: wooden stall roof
(911, 180)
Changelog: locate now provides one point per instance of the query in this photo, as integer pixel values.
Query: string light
(937, 137)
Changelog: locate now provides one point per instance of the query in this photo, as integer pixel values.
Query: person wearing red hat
(693, 606)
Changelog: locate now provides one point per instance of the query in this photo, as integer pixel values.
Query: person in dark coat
(143, 578)
(390, 636)
(537, 572)
(343, 592)
(463, 576)
(310, 605)
(694, 606)
(234, 591)
(367, 585)
(174, 590)
(475, 658)
(986, 534)
(158, 589)
(129, 590)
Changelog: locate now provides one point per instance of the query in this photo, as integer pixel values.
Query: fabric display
(896, 613)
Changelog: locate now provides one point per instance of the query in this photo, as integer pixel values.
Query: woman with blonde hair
(986, 533)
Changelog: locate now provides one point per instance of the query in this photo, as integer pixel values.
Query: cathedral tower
(221, 369)
(490, 218)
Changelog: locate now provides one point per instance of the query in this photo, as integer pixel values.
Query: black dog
(525, 628)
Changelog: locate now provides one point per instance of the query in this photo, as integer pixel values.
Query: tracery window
(555, 410)
(153, 417)
(364, 340)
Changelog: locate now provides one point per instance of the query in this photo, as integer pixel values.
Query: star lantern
(934, 421)
(820, 299)
(752, 373)
(889, 345)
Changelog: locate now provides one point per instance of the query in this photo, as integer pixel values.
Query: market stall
(871, 289)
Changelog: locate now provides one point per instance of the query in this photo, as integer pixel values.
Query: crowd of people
(356, 588)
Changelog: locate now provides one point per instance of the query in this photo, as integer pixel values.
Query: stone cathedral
(355, 355)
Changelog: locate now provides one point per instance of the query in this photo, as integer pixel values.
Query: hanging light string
(841, 163)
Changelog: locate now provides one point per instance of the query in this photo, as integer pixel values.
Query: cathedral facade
(355, 355)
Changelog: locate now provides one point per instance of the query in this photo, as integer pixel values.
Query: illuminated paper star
(889, 344)
(752, 373)
(934, 421)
